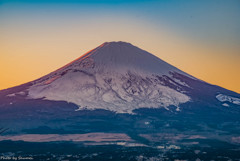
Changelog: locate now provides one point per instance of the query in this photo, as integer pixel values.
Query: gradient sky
(201, 37)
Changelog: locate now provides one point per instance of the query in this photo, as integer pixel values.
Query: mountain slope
(115, 76)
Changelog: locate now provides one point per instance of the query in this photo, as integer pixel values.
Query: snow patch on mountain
(225, 104)
(21, 93)
(225, 98)
(11, 95)
(181, 82)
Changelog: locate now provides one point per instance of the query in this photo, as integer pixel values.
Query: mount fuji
(120, 77)
(122, 90)
(115, 76)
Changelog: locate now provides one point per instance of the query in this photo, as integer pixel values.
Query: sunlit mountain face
(119, 102)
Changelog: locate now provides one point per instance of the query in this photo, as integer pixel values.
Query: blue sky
(213, 21)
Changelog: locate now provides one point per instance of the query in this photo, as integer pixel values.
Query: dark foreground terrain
(150, 134)
(204, 150)
(38, 129)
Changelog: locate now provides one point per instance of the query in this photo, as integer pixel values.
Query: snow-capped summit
(124, 56)
(121, 56)
(115, 76)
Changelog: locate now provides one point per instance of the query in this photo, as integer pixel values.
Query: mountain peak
(117, 43)
(119, 56)
(123, 56)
